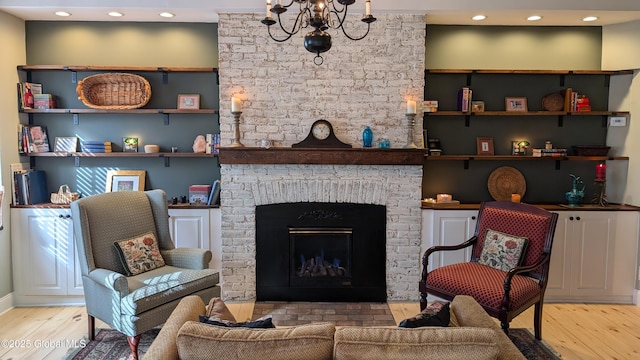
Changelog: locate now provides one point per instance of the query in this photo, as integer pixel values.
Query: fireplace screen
(320, 256)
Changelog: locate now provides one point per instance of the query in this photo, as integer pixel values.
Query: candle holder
(411, 120)
(236, 125)
(600, 198)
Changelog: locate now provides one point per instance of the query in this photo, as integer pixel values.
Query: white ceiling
(498, 12)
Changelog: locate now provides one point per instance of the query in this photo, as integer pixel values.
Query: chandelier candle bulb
(236, 104)
(367, 6)
(411, 107)
(268, 8)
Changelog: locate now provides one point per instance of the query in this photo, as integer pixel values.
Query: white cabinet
(197, 228)
(45, 265)
(593, 258)
(447, 227)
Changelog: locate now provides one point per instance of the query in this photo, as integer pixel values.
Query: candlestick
(236, 124)
(411, 107)
(411, 119)
(236, 105)
(601, 172)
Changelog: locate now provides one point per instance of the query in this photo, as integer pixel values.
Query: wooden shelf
(122, 154)
(530, 72)
(117, 68)
(526, 113)
(522, 158)
(323, 156)
(131, 111)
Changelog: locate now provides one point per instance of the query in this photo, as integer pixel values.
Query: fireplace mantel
(321, 156)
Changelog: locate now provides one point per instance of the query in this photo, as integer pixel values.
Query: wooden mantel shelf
(332, 156)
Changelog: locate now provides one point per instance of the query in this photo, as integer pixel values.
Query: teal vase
(576, 194)
(367, 137)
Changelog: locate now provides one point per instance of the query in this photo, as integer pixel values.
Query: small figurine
(199, 144)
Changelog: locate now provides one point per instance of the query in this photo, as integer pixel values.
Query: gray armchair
(134, 304)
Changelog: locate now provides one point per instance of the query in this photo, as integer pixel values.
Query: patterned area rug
(531, 348)
(111, 345)
(340, 313)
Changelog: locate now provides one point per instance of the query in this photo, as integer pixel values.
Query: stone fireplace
(361, 83)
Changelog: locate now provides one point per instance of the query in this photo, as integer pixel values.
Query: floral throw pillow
(139, 254)
(502, 251)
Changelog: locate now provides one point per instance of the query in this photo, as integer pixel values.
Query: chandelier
(319, 14)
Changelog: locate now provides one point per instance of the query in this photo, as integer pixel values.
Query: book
(464, 99)
(38, 139)
(36, 187)
(26, 92)
(214, 195)
(199, 194)
(16, 181)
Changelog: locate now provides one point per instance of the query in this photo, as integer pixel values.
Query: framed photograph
(66, 144)
(515, 103)
(130, 144)
(188, 102)
(484, 145)
(125, 180)
(477, 106)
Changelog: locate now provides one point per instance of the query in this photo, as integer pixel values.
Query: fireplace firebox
(320, 252)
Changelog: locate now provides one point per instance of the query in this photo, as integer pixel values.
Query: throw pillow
(218, 309)
(262, 323)
(139, 254)
(436, 314)
(502, 251)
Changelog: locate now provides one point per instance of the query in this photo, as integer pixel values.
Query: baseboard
(6, 303)
(636, 296)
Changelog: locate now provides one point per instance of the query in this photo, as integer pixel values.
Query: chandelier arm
(276, 39)
(297, 24)
(356, 38)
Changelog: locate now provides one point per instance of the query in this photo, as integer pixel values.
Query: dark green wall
(128, 44)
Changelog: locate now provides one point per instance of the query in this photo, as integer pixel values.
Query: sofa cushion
(139, 254)
(309, 342)
(386, 343)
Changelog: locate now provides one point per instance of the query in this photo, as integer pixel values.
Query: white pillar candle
(236, 104)
(367, 7)
(443, 198)
(411, 107)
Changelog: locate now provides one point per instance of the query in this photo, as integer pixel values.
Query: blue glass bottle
(367, 137)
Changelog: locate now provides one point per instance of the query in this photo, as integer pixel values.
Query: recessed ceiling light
(115, 14)
(534, 18)
(166, 14)
(478, 17)
(590, 18)
(62, 13)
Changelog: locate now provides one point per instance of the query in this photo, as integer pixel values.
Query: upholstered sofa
(472, 335)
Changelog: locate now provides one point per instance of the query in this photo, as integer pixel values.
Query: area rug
(112, 345)
(531, 348)
(340, 313)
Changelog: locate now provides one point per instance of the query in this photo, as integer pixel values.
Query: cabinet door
(74, 273)
(452, 227)
(592, 253)
(189, 228)
(44, 252)
(560, 267)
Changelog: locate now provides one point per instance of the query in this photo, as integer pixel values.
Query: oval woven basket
(114, 91)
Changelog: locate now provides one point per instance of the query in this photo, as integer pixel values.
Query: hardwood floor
(576, 331)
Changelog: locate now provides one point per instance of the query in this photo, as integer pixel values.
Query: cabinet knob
(571, 218)
(473, 218)
(578, 218)
(61, 216)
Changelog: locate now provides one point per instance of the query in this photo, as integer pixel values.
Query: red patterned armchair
(509, 265)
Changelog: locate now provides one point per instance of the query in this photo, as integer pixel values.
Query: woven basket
(114, 91)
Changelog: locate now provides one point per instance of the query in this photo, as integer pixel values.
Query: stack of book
(575, 102)
(44, 101)
(96, 146)
(29, 187)
(549, 152)
(32, 139)
(464, 99)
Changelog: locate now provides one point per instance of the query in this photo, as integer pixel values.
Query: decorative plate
(505, 181)
(553, 102)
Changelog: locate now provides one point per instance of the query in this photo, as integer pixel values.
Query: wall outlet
(617, 121)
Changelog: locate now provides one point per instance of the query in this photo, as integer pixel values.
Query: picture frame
(515, 104)
(125, 180)
(65, 144)
(188, 101)
(484, 145)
